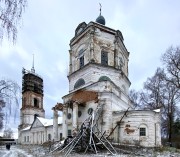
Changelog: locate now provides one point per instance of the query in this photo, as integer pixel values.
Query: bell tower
(32, 97)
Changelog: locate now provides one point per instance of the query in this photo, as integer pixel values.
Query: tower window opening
(81, 61)
(24, 101)
(104, 58)
(36, 103)
(121, 63)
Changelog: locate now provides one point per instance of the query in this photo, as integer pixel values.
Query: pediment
(36, 123)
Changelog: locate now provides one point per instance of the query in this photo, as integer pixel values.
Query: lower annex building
(98, 78)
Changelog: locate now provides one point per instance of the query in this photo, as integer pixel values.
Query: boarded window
(104, 58)
(142, 131)
(81, 61)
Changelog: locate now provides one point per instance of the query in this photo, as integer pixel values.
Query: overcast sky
(149, 27)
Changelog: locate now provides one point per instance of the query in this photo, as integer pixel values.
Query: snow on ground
(13, 152)
(39, 151)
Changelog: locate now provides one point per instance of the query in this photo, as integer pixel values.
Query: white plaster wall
(129, 128)
(28, 115)
(92, 73)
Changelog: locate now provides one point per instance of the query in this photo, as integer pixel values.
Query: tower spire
(100, 8)
(32, 69)
(100, 19)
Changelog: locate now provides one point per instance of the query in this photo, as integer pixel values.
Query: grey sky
(149, 27)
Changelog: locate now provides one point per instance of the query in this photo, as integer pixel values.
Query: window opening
(81, 61)
(142, 131)
(49, 137)
(69, 132)
(104, 58)
(60, 135)
(36, 103)
(90, 111)
(69, 116)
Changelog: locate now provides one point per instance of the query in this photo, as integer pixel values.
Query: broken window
(24, 138)
(142, 131)
(81, 61)
(104, 58)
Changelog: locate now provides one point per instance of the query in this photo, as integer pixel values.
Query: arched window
(79, 83)
(36, 103)
(104, 78)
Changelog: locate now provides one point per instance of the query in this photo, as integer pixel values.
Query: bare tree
(152, 96)
(134, 97)
(8, 133)
(171, 60)
(9, 99)
(159, 93)
(10, 15)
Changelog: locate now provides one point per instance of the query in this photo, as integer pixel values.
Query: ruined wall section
(103, 41)
(128, 132)
(79, 49)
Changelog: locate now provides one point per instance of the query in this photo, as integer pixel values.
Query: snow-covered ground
(39, 151)
(13, 152)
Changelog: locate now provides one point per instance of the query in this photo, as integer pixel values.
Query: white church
(98, 77)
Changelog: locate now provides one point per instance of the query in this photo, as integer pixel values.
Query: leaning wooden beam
(118, 123)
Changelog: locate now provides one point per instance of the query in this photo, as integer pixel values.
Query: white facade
(98, 74)
(40, 131)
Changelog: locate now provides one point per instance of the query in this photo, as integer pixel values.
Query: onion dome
(100, 19)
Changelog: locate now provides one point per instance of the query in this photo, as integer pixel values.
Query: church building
(98, 80)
